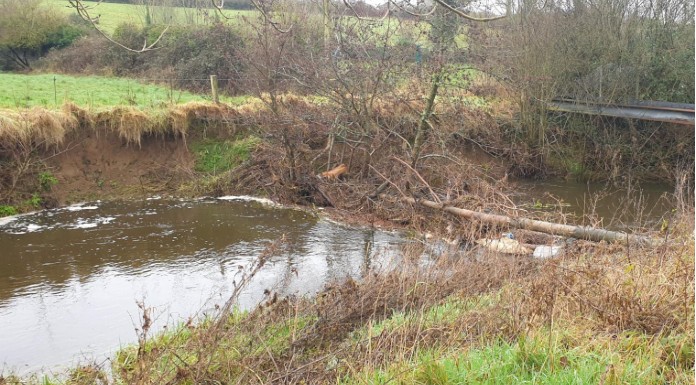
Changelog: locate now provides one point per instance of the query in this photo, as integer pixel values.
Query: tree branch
(355, 13)
(268, 19)
(430, 12)
(466, 15)
(82, 10)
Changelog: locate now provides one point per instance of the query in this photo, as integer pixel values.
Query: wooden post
(214, 88)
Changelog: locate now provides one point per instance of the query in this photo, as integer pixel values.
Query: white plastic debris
(504, 245)
(544, 251)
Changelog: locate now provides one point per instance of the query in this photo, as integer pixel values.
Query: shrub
(214, 157)
(192, 54)
(47, 180)
(186, 57)
(28, 29)
(6, 210)
(86, 55)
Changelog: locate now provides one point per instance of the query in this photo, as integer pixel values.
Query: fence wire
(102, 92)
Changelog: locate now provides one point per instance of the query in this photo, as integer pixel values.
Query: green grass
(214, 157)
(442, 315)
(179, 345)
(19, 91)
(6, 210)
(114, 14)
(538, 359)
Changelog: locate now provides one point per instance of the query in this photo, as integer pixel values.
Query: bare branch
(355, 13)
(430, 12)
(83, 11)
(418, 175)
(268, 19)
(466, 15)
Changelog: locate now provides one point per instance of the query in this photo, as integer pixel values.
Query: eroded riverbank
(460, 307)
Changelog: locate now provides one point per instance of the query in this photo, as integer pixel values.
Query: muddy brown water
(70, 278)
(597, 204)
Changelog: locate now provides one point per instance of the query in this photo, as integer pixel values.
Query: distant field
(89, 91)
(113, 14)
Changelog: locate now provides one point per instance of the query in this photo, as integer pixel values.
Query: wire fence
(52, 91)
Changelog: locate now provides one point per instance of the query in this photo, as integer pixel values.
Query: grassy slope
(113, 14)
(20, 90)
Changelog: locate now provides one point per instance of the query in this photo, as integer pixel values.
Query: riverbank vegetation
(448, 121)
(599, 314)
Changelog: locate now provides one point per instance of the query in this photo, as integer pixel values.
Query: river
(70, 278)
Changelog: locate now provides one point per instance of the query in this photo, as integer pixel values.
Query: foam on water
(6, 220)
(80, 207)
(248, 198)
(84, 224)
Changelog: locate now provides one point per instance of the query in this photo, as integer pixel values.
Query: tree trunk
(579, 232)
(424, 125)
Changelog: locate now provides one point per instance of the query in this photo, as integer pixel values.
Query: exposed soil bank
(51, 158)
(101, 166)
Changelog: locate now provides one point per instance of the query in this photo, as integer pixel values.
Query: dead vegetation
(37, 125)
(595, 300)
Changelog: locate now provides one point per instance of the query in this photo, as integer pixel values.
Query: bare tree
(85, 11)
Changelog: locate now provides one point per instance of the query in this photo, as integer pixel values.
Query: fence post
(214, 88)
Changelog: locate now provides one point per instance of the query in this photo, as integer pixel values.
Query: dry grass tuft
(614, 290)
(84, 117)
(37, 125)
(9, 126)
(51, 126)
(131, 123)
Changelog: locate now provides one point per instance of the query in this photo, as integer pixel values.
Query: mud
(101, 165)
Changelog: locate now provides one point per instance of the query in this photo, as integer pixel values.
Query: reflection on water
(613, 208)
(70, 278)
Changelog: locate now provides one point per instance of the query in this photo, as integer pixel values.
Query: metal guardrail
(677, 113)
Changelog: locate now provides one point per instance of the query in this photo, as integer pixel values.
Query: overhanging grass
(23, 91)
(39, 126)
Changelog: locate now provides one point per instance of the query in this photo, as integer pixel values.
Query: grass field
(113, 14)
(49, 90)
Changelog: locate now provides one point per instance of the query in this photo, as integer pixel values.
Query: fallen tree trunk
(579, 232)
